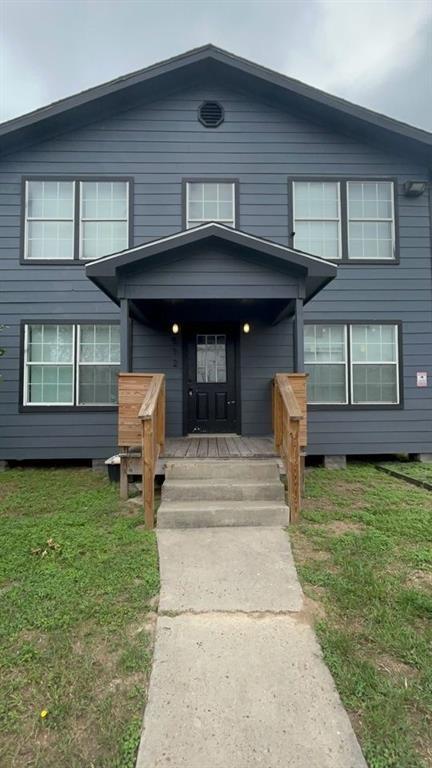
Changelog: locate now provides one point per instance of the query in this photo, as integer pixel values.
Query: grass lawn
(78, 576)
(416, 469)
(364, 555)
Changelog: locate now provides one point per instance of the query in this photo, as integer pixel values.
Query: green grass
(415, 469)
(77, 578)
(364, 554)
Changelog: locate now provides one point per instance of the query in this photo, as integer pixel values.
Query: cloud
(376, 53)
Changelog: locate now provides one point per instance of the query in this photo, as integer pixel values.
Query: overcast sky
(377, 53)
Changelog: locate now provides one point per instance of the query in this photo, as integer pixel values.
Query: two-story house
(217, 222)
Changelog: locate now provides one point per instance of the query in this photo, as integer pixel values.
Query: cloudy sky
(377, 53)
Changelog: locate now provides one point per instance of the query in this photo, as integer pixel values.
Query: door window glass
(211, 358)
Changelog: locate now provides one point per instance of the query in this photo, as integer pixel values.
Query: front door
(210, 380)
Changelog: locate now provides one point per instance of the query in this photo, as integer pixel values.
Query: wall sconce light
(414, 188)
(175, 328)
(246, 327)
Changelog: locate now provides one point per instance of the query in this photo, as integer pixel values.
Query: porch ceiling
(161, 313)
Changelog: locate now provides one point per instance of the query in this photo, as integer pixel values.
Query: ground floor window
(71, 364)
(352, 364)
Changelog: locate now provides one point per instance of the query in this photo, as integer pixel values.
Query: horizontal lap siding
(266, 350)
(260, 145)
(155, 351)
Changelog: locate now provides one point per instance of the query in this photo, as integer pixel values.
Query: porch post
(125, 337)
(299, 337)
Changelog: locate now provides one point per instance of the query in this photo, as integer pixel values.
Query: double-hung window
(370, 220)
(352, 364)
(68, 364)
(210, 201)
(326, 362)
(71, 220)
(317, 219)
(347, 221)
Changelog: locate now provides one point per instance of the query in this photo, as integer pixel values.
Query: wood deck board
(229, 447)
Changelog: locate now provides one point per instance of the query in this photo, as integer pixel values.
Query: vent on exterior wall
(211, 114)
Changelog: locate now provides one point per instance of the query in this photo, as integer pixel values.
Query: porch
(218, 447)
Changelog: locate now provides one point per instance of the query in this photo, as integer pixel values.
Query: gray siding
(158, 145)
(156, 351)
(265, 351)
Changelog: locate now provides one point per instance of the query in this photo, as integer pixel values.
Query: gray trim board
(343, 181)
(72, 177)
(206, 180)
(363, 406)
(57, 408)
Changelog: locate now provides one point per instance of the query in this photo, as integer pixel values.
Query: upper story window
(68, 220)
(352, 364)
(370, 220)
(67, 364)
(210, 201)
(317, 218)
(348, 221)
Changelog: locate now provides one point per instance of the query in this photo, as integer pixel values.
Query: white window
(49, 220)
(103, 218)
(317, 219)
(210, 201)
(98, 360)
(71, 364)
(326, 363)
(374, 364)
(371, 226)
(55, 211)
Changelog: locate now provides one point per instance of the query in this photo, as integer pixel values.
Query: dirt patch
(339, 527)
(313, 611)
(420, 580)
(395, 668)
(305, 550)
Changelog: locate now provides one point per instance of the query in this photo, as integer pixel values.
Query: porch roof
(311, 272)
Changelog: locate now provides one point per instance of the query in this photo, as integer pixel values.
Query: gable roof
(315, 271)
(124, 91)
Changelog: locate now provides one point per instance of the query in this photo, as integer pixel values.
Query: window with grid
(374, 364)
(98, 364)
(210, 201)
(69, 364)
(326, 363)
(317, 219)
(372, 376)
(49, 221)
(370, 220)
(70, 220)
(103, 218)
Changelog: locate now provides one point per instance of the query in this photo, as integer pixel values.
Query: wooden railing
(141, 429)
(290, 432)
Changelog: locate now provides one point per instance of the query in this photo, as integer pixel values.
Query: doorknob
(190, 392)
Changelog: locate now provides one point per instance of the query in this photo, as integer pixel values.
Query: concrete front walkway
(238, 679)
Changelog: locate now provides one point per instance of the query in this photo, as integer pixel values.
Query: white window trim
(195, 222)
(338, 219)
(28, 218)
(331, 362)
(366, 362)
(75, 364)
(27, 363)
(83, 220)
(371, 219)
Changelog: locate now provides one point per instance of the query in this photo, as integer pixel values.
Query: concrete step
(210, 514)
(236, 469)
(216, 489)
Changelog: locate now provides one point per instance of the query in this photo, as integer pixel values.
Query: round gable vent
(211, 114)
